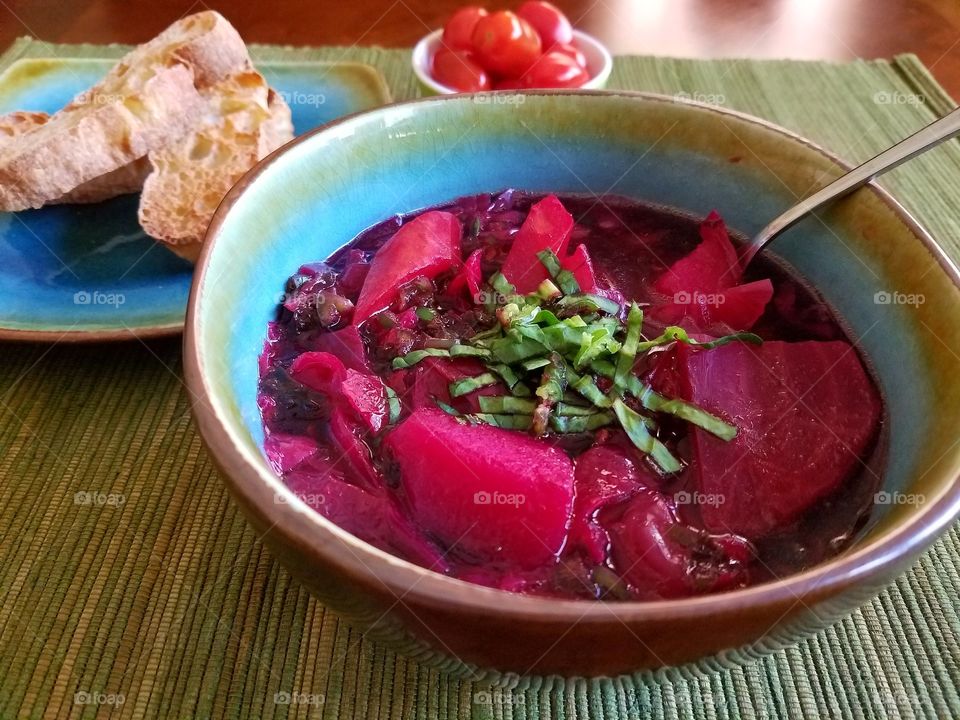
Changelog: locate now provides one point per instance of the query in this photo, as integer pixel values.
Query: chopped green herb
(426, 314)
(535, 363)
(503, 286)
(548, 290)
(531, 332)
(485, 338)
(412, 358)
(448, 409)
(468, 385)
(393, 404)
(588, 303)
(567, 282)
(545, 317)
(582, 423)
(628, 351)
(746, 337)
(385, 320)
(689, 412)
(507, 350)
(506, 405)
(507, 422)
(550, 261)
(678, 334)
(553, 382)
(593, 343)
(563, 408)
(511, 379)
(459, 350)
(611, 583)
(588, 388)
(636, 429)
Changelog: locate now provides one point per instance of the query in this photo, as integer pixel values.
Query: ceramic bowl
(318, 192)
(599, 62)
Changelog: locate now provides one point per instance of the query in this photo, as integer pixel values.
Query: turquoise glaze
(89, 269)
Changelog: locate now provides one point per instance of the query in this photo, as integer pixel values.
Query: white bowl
(599, 62)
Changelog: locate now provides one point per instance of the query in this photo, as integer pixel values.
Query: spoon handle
(932, 135)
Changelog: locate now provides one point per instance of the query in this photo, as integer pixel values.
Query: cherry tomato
(458, 32)
(556, 70)
(505, 44)
(573, 51)
(509, 84)
(458, 69)
(549, 22)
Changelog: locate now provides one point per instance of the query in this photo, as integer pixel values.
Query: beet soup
(571, 397)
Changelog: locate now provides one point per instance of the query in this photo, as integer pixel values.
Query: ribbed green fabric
(167, 602)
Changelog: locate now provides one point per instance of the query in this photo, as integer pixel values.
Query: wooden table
(805, 29)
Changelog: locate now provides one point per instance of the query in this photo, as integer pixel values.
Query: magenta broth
(545, 428)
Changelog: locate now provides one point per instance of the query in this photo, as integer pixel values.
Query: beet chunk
(469, 277)
(347, 345)
(703, 288)
(604, 475)
(580, 264)
(806, 413)
(372, 518)
(662, 558)
(490, 495)
(426, 246)
(711, 267)
(548, 227)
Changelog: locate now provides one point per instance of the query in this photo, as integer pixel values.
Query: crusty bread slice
(123, 180)
(246, 121)
(150, 98)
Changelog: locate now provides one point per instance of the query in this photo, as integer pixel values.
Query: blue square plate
(88, 272)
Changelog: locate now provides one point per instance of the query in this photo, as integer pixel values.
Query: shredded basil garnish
(567, 359)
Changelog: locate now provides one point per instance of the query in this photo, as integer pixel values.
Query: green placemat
(157, 601)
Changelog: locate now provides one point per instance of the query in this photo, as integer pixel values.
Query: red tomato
(505, 44)
(573, 51)
(556, 70)
(549, 22)
(509, 84)
(458, 69)
(458, 32)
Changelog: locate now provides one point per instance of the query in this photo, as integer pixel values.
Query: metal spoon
(932, 135)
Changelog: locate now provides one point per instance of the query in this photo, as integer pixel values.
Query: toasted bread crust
(191, 176)
(149, 99)
(181, 117)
